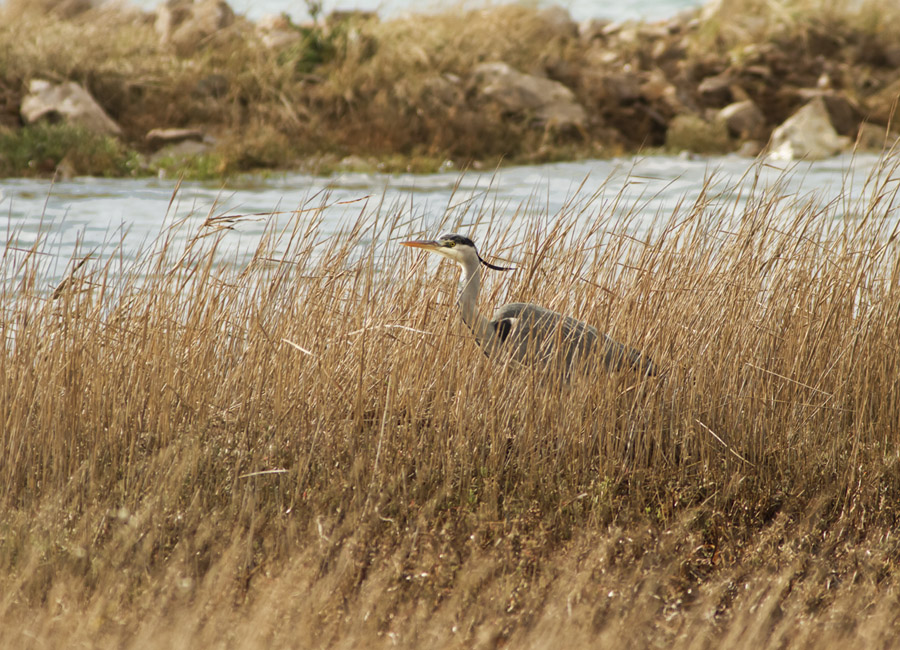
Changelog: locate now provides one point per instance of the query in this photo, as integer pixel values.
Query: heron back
(531, 333)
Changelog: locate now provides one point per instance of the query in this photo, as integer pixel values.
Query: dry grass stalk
(198, 454)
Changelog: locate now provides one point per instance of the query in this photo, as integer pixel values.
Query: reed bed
(310, 449)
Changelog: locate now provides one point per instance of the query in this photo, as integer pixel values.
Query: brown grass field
(309, 450)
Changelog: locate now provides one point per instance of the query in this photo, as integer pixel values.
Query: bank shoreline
(192, 89)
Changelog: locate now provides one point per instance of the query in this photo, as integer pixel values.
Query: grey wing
(532, 333)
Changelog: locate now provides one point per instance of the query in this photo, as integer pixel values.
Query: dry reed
(309, 449)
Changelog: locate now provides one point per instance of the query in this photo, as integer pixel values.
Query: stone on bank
(808, 134)
(549, 102)
(67, 102)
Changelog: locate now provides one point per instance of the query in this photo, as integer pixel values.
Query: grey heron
(528, 332)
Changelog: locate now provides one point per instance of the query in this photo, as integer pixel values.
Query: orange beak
(427, 244)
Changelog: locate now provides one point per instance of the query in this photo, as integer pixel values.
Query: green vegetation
(312, 446)
(42, 149)
(691, 133)
(193, 168)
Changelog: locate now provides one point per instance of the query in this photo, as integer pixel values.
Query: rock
(626, 35)
(666, 51)
(182, 150)
(162, 137)
(276, 31)
(884, 106)
(750, 149)
(844, 115)
(207, 17)
(434, 95)
(186, 25)
(68, 9)
(716, 91)
(619, 87)
(692, 133)
(357, 164)
(548, 102)
(442, 91)
(212, 86)
(743, 119)
(568, 73)
(592, 29)
(62, 9)
(599, 58)
(892, 55)
(872, 137)
(760, 71)
(559, 21)
(661, 94)
(613, 28)
(68, 102)
(652, 32)
(343, 17)
(807, 134)
(169, 15)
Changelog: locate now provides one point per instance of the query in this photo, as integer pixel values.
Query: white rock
(67, 101)
(807, 134)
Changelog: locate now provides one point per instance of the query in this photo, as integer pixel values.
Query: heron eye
(450, 243)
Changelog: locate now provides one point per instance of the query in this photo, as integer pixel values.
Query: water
(579, 9)
(119, 218)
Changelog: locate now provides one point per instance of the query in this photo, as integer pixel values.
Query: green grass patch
(201, 167)
(42, 149)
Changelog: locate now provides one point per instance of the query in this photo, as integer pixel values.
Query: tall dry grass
(309, 449)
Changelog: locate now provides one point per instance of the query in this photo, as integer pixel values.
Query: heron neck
(470, 286)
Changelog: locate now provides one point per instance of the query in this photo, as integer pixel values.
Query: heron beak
(427, 244)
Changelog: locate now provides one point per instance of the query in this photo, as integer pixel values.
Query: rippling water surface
(120, 218)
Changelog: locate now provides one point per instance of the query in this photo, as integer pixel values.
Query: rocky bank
(192, 80)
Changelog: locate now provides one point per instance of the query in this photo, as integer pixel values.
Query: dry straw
(189, 446)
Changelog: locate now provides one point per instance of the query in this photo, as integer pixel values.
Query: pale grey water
(121, 217)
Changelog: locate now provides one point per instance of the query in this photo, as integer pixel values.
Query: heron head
(458, 248)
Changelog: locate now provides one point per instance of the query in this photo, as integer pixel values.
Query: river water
(119, 218)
